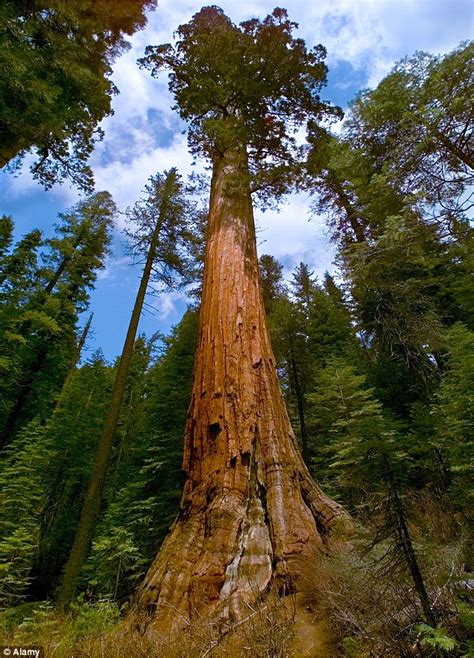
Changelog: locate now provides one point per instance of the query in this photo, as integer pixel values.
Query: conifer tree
(43, 475)
(6, 237)
(309, 324)
(55, 87)
(22, 492)
(46, 301)
(303, 288)
(416, 128)
(453, 421)
(367, 455)
(250, 512)
(144, 505)
(162, 218)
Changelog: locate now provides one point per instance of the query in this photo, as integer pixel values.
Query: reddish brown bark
(250, 514)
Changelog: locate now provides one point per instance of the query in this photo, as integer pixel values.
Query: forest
(288, 472)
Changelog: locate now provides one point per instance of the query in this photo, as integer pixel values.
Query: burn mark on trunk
(262, 494)
(245, 458)
(321, 523)
(184, 510)
(214, 430)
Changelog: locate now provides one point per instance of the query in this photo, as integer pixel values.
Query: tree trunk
(352, 214)
(452, 147)
(62, 266)
(24, 390)
(410, 556)
(93, 497)
(250, 514)
(299, 394)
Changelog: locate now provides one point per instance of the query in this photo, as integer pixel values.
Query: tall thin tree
(162, 217)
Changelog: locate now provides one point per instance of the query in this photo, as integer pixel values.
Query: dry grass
(95, 631)
(265, 633)
(370, 600)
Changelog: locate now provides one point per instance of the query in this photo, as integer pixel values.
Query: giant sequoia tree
(250, 513)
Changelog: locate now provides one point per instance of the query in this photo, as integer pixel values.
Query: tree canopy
(55, 87)
(254, 82)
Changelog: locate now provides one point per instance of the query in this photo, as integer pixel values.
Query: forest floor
(312, 635)
(284, 627)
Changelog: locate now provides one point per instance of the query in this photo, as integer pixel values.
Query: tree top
(253, 82)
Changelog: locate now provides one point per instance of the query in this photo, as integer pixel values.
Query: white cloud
(293, 235)
(168, 305)
(125, 181)
(373, 34)
(112, 266)
(23, 184)
(369, 35)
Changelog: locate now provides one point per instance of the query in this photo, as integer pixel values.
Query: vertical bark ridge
(250, 512)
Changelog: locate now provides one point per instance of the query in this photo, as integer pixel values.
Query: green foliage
(436, 638)
(55, 88)
(42, 477)
(42, 301)
(144, 504)
(22, 498)
(309, 324)
(271, 280)
(454, 418)
(354, 439)
(373, 612)
(416, 127)
(252, 84)
(169, 208)
(73, 432)
(59, 635)
(395, 281)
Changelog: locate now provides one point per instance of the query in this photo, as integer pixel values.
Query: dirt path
(312, 637)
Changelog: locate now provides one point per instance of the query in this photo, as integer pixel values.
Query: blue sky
(364, 38)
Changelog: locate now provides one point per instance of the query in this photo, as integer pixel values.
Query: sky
(363, 38)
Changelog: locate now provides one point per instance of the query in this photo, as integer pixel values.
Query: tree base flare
(222, 558)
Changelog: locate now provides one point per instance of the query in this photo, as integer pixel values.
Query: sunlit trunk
(250, 514)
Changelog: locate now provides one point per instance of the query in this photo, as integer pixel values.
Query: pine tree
(22, 496)
(72, 437)
(141, 510)
(6, 237)
(17, 277)
(309, 324)
(367, 457)
(271, 281)
(55, 87)
(453, 410)
(416, 127)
